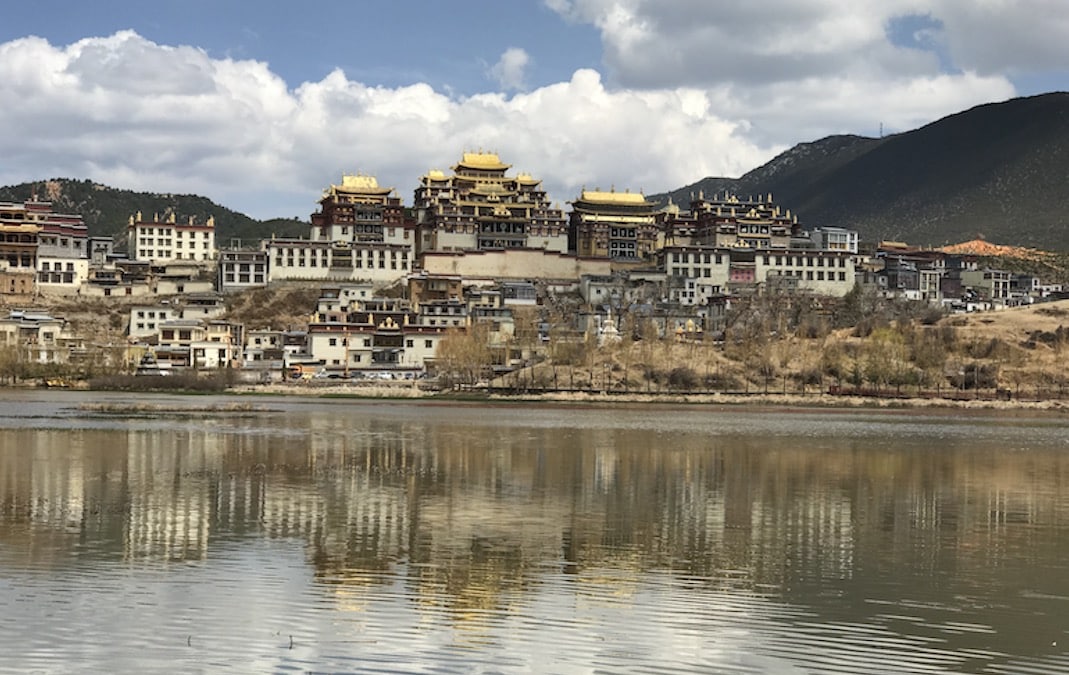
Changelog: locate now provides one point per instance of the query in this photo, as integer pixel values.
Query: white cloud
(125, 111)
(511, 69)
(667, 43)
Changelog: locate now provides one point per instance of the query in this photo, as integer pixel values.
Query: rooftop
(482, 160)
(614, 197)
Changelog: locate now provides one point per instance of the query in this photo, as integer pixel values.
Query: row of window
(776, 260)
(358, 263)
(244, 278)
(409, 343)
(314, 253)
(739, 275)
(168, 231)
(61, 243)
(55, 277)
(165, 253)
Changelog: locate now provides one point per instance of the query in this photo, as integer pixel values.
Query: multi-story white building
(167, 241)
(62, 254)
(241, 269)
(37, 336)
(305, 260)
(358, 234)
(146, 320)
(724, 270)
(376, 334)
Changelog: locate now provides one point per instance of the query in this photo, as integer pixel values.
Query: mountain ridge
(998, 170)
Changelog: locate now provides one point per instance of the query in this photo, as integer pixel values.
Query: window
(410, 343)
(429, 344)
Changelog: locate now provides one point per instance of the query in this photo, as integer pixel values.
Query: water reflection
(731, 539)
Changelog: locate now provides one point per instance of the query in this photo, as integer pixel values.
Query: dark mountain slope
(1001, 170)
(107, 210)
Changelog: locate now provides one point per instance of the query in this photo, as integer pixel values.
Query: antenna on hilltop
(881, 129)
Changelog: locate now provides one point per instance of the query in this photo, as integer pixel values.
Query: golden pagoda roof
(613, 197)
(358, 183)
(487, 161)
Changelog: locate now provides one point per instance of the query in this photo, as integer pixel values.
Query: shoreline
(757, 400)
(815, 400)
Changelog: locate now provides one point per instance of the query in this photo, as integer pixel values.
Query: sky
(261, 106)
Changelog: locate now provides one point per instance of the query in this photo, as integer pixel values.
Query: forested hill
(107, 210)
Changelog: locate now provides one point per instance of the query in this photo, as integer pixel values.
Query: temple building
(359, 211)
(726, 246)
(40, 248)
(727, 221)
(479, 207)
(360, 233)
(618, 225)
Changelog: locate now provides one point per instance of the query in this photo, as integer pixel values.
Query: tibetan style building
(727, 221)
(358, 211)
(358, 234)
(40, 248)
(479, 207)
(618, 225)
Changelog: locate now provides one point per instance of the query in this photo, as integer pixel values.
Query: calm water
(340, 536)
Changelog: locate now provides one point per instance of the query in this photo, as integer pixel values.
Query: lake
(248, 534)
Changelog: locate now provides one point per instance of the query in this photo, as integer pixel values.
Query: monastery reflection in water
(476, 511)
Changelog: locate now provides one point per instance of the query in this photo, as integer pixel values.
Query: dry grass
(1011, 352)
(153, 409)
(286, 307)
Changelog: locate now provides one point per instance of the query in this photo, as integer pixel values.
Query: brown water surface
(194, 534)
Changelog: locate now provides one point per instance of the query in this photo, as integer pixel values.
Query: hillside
(997, 170)
(106, 210)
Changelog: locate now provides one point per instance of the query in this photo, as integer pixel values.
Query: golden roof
(482, 160)
(359, 182)
(613, 197)
(364, 184)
